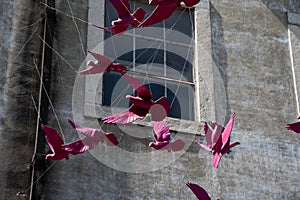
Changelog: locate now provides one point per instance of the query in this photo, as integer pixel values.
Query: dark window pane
(181, 20)
(120, 46)
(115, 90)
(149, 55)
(181, 65)
(157, 90)
(181, 98)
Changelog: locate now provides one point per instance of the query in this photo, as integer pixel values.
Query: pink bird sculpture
(162, 138)
(91, 139)
(200, 193)
(55, 143)
(102, 64)
(294, 126)
(164, 9)
(141, 104)
(125, 18)
(218, 140)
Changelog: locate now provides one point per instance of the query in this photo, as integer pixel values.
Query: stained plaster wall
(247, 48)
(20, 47)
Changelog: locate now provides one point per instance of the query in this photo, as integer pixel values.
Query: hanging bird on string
(55, 143)
(102, 64)
(200, 193)
(125, 18)
(91, 139)
(164, 9)
(294, 126)
(141, 104)
(218, 140)
(162, 138)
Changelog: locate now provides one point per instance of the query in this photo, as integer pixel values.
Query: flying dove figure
(164, 9)
(125, 18)
(294, 126)
(102, 64)
(141, 104)
(55, 143)
(162, 138)
(218, 140)
(91, 139)
(200, 193)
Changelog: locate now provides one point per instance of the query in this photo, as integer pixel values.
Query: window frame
(203, 64)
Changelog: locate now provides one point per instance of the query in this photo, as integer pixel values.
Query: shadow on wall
(219, 54)
(281, 10)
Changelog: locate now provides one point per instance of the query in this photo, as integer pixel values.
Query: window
(161, 57)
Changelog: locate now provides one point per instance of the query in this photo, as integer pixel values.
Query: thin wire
(77, 29)
(61, 12)
(182, 71)
(30, 37)
(57, 53)
(36, 109)
(51, 104)
(38, 112)
(34, 23)
(293, 72)
(40, 176)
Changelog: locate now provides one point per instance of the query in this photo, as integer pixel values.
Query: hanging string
(77, 29)
(57, 53)
(146, 75)
(50, 102)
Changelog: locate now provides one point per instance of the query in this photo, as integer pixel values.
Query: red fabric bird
(200, 193)
(141, 104)
(55, 143)
(91, 139)
(162, 138)
(102, 64)
(164, 9)
(218, 140)
(294, 126)
(125, 17)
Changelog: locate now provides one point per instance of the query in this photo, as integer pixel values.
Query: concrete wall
(19, 49)
(248, 44)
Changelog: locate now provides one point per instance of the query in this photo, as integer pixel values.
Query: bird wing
(81, 146)
(163, 101)
(208, 133)
(294, 127)
(101, 58)
(84, 130)
(127, 116)
(160, 13)
(53, 138)
(234, 144)
(140, 88)
(227, 130)
(216, 133)
(140, 102)
(200, 193)
(190, 3)
(118, 29)
(115, 29)
(118, 68)
(122, 7)
(111, 139)
(204, 146)
(162, 131)
(159, 145)
(102, 64)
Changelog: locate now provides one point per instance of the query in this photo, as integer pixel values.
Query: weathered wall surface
(250, 46)
(19, 48)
